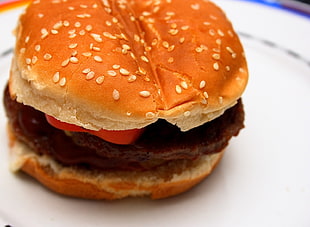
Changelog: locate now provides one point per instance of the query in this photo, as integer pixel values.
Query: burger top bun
(124, 64)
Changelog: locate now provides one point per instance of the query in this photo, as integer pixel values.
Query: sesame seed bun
(125, 65)
(171, 179)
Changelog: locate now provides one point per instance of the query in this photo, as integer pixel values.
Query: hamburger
(111, 99)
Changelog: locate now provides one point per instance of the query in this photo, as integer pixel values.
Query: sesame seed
(174, 25)
(88, 28)
(230, 33)
(34, 59)
(54, 32)
(27, 39)
(74, 60)
(216, 56)
(112, 73)
(28, 61)
(195, 6)
(58, 25)
(126, 47)
(156, 9)
(83, 6)
(66, 23)
(108, 10)
(182, 39)
(72, 36)
(220, 32)
(37, 48)
(85, 71)
(211, 32)
(116, 95)
(150, 115)
(124, 72)
(144, 58)
(114, 20)
(145, 94)
(132, 78)
(77, 24)
(142, 71)
(87, 54)
(185, 27)
(84, 15)
(218, 41)
(178, 89)
(108, 23)
(241, 70)
(202, 84)
(227, 68)
(187, 113)
(98, 59)
(100, 79)
(198, 49)
(56, 77)
(165, 44)
(173, 31)
(206, 95)
(47, 57)
(72, 31)
(171, 60)
(136, 38)
(234, 55)
(132, 18)
(44, 33)
(65, 62)
(216, 66)
(40, 15)
(206, 23)
(154, 42)
(213, 17)
(71, 8)
(229, 50)
(96, 49)
(109, 35)
(22, 50)
(82, 32)
(116, 66)
(73, 45)
(184, 85)
(221, 100)
(90, 75)
(96, 37)
(171, 48)
(62, 82)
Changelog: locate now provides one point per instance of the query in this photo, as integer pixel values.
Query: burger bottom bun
(170, 179)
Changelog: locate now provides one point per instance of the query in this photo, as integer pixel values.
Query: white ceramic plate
(264, 179)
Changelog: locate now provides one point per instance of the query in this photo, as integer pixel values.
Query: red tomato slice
(113, 136)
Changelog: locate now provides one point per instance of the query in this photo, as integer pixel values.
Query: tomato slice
(113, 136)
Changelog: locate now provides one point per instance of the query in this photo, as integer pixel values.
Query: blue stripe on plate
(292, 6)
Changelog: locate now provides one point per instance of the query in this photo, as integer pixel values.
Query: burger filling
(158, 143)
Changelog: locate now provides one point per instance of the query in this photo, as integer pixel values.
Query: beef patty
(159, 143)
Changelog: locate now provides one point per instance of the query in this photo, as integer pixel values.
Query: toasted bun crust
(124, 64)
(169, 180)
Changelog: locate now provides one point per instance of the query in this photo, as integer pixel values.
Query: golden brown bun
(168, 180)
(125, 65)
